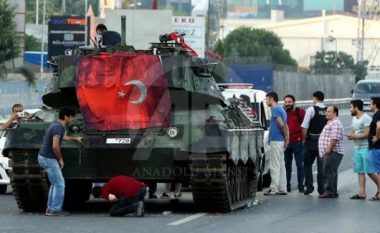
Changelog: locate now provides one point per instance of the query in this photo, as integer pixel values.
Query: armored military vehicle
(156, 115)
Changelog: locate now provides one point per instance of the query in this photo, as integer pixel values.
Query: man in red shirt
(128, 195)
(294, 120)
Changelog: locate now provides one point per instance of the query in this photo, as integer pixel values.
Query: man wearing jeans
(295, 116)
(330, 146)
(51, 160)
(127, 194)
(278, 141)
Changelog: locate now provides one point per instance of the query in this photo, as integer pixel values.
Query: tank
(156, 115)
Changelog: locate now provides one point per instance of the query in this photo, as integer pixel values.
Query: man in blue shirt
(51, 160)
(278, 141)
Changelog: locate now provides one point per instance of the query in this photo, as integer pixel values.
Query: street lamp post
(37, 9)
(43, 41)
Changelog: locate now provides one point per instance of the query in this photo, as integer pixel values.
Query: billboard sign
(65, 34)
(195, 32)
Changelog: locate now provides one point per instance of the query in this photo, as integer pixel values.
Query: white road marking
(187, 219)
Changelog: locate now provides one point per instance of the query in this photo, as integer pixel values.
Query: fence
(303, 85)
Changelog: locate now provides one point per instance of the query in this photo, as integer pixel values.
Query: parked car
(364, 90)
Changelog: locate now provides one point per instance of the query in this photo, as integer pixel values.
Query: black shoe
(329, 195)
(56, 213)
(165, 196)
(308, 190)
(288, 188)
(152, 196)
(301, 188)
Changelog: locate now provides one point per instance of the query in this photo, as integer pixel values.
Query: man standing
(359, 134)
(331, 151)
(278, 141)
(312, 125)
(127, 194)
(374, 142)
(51, 160)
(295, 116)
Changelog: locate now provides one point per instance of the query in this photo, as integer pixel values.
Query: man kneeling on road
(127, 193)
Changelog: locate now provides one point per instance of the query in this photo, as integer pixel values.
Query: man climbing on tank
(50, 158)
(127, 194)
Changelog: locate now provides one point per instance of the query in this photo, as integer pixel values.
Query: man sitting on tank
(127, 194)
(246, 102)
(105, 37)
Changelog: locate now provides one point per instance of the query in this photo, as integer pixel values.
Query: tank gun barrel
(123, 30)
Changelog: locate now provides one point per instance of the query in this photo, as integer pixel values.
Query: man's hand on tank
(79, 140)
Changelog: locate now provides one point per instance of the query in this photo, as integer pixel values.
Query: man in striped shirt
(331, 151)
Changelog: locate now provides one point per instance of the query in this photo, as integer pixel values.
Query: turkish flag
(123, 90)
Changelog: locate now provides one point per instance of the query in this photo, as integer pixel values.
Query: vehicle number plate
(118, 141)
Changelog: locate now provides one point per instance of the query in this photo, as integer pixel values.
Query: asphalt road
(281, 214)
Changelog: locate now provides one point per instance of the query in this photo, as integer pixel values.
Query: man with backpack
(295, 117)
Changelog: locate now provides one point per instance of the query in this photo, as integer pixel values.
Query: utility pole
(43, 41)
(37, 9)
(63, 7)
(85, 20)
(360, 31)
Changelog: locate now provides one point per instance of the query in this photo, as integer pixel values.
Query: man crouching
(127, 193)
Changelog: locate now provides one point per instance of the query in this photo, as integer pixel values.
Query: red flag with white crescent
(123, 90)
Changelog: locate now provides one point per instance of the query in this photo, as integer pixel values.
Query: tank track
(29, 182)
(220, 185)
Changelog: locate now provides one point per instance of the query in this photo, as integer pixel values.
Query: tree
(32, 43)
(254, 44)
(9, 42)
(331, 62)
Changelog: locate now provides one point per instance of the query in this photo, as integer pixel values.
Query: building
(304, 37)
(292, 8)
(20, 13)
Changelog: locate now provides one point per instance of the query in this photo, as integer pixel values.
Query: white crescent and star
(143, 91)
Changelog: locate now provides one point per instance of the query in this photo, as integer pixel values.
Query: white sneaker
(140, 209)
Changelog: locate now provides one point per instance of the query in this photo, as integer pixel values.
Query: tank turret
(156, 115)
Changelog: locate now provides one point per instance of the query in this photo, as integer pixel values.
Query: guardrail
(339, 103)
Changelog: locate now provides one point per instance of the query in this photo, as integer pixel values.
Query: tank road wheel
(76, 193)
(29, 183)
(219, 184)
(3, 188)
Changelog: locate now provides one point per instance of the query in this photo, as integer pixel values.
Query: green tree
(54, 7)
(9, 42)
(32, 43)
(330, 62)
(249, 44)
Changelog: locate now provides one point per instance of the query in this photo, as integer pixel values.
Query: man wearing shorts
(374, 142)
(360, 129)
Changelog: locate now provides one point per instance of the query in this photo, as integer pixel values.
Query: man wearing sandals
(374, 142)
(330, 146)
(359, 134)
(278, 141)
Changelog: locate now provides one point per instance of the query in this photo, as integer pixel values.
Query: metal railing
(339, 103)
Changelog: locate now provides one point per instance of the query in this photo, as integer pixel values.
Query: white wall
(304, 37)
(143, 26)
